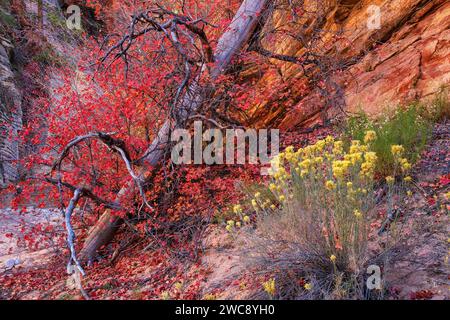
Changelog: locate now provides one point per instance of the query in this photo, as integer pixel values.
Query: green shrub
(7, 20)
(407, 127)
(48, 56)
(55, 19)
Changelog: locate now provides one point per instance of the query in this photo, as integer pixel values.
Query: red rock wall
(408, 58)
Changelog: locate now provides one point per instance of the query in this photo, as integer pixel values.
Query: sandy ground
(12, 223)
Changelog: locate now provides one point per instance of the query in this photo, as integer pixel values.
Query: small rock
(11, 263)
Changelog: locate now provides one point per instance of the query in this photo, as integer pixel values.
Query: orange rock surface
(406, 59)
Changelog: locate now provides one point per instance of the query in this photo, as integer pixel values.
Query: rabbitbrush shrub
(310, 225)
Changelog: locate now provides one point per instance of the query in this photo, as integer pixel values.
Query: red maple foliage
(130, 100)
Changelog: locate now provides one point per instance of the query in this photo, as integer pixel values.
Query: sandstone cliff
(407, 58)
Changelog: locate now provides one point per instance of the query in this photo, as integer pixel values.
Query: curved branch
(87, 193)
(115, 145)
(70, 233)
(72, 143)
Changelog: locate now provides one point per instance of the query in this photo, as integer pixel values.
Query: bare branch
(70, 234)
(87, 193)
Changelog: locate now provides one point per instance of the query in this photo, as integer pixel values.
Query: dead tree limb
(115, 145)
(73, 261)
(70, 233)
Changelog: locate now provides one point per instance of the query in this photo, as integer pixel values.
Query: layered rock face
(10, 117)
(413, 64)
(406, 58)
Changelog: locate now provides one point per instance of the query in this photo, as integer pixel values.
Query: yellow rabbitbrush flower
(320, 145)
(165, 295)
(397, 150)
(370, 136)
(299, 153)
(281, 174)
(318, 160)
(338, 172)
(178, 285)
(269, 287)
(354, 158)
(354, 149)
(289, 149)
(340, 167)
(390, 179)
(246, 219)
(265, 203)
(406, 166)
(237, 209)
(255, 205)
(338, 147)
(330, 185)
(291, 157)
(370, 157)
(209, 296)
(329, 139)
(368, 166)
(309, 150)
(303, 173)
(367, 169)
(305, 164)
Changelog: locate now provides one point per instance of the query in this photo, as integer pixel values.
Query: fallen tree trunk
(229, 45)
